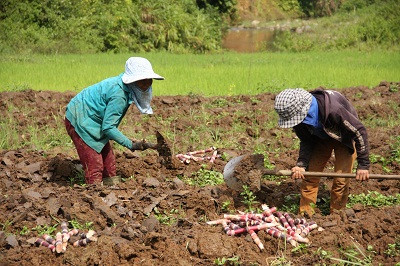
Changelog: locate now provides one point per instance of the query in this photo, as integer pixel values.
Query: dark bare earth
(35, 187)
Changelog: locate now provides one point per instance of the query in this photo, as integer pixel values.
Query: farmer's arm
(112, 116)
(306, 148)
(357, 130)
(306, 145)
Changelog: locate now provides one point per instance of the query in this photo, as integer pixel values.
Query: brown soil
(249, 171)
(35, 186)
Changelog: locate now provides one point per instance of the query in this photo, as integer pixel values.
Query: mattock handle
(329, 175)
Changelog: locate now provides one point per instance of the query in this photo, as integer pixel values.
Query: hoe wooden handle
(329, 175)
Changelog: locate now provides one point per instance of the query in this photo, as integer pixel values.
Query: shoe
(112, 180)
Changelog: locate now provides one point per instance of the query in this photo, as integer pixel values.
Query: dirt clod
(249, 171)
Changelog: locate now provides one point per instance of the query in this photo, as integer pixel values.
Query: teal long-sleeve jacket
(97, 111)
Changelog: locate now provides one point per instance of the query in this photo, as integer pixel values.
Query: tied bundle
(276, 224)
(199, 155)
(59, 245)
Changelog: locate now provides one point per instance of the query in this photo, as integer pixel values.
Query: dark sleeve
(353, 127)
(306, 145)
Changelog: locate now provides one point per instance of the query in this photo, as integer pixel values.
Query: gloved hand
(142, 145)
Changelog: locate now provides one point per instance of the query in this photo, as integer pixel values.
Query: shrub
(371, 24)
(74, 26)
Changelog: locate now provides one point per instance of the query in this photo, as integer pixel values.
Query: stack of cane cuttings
(199, 155)
(276, 224)
(73, 236)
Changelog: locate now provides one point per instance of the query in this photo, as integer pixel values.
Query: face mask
(141, 98)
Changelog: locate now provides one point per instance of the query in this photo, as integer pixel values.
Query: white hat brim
(132, 78)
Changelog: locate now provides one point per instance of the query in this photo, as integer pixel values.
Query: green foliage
(289, 5)
(323, 254)
(166, 217)
(373, 198)
(369, 25)
(395, 155)
(323, 205)
(374, 158)
(85, 226)
(74, 26)
(223, 6)
(262, 149)
(319, 8)
(226, 206)
(291, 203)
(355, 256)
(6, 226)
(393, 250)
(204, 177)
(78, 178)
(24, 231)
(205, 74)
(227, 261)
(249, 199)
(45, 229)
(300, 249)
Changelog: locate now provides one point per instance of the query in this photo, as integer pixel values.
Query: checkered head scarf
(292, 106)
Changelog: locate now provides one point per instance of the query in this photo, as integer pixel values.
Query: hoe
(235, 179)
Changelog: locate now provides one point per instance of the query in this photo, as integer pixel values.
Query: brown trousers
(343, 163)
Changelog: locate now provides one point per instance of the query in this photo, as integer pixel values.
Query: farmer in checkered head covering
(324, 121)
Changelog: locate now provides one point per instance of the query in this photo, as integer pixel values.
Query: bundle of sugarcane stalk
(59, 245)
(199, 155)
(277, 224)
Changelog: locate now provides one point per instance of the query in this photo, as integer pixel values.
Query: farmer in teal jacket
(93, 117)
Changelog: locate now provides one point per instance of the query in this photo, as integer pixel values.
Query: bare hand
(362, 175)
(297, 172)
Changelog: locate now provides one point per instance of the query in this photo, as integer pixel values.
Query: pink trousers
(96, 165)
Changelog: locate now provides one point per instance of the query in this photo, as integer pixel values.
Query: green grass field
(208, 75)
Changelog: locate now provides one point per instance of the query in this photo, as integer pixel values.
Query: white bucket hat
(138, 68)
(292, 106)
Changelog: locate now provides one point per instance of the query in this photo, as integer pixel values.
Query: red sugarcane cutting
(49, 239)
(277, 224)
(42, 242)
(213, 157)
(255, 238)
(88, 234)
(274, 232)
(201, 151)
(219, 221)
(268, 213)
(299, 221)
(64, 231)
(241, 230)
(85, 241)
(73, 232)
(58, 244)
(242, 217)
(198, 155)
(289, 220)
(283, 220)
(293, 234)
(65, 235)
(308, 228)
